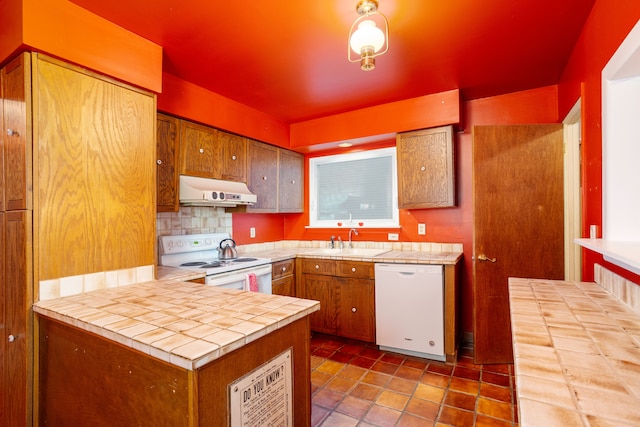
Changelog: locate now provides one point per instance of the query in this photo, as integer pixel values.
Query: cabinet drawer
(355, 269)
(319, 266)
(282, 269)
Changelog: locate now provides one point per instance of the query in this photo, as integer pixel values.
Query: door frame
(572, 192)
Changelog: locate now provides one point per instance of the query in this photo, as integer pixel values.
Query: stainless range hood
(195, 191)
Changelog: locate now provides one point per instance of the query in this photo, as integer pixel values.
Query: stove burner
(244, 259)
(192, 264)
(212, 265)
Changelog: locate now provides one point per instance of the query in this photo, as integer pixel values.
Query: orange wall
(65, 30)
(450, 225)
(183, 99)
(607, 26)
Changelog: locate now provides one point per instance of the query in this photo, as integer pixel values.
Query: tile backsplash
(193, 220)
(623, 289)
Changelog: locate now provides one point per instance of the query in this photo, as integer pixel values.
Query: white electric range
(199, 252)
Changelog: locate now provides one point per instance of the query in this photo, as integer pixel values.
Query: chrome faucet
(332, 243)
(340, 243)
(356, 233)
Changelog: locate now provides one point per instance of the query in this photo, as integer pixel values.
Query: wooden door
(233, 157)
(518, 223)
(262, 164)
(321, 288)
(18, 327)
(198, 150)
(16, 82)
(290, 181)
(356, 308)
(167, 140)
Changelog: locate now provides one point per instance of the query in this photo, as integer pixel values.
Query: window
(355, 189)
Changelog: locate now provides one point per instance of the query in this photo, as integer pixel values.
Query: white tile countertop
(186, 324)
(576, 354)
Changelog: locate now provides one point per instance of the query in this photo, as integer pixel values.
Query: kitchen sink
(365, 252)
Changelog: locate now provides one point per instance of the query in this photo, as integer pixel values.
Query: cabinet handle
(159, 161)
(264, 178)
(233, 157)
(423, 169)
(201, 150)
(353, 309)
(11, 132)
(317, 266)
(353, 269)
(12, 338)
(284, 269)
(293, 182)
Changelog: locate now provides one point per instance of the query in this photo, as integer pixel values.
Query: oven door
(238, 279)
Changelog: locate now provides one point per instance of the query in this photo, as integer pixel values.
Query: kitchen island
(576, 355)
(173, 353)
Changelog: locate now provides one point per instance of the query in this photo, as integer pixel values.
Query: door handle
(483, 257)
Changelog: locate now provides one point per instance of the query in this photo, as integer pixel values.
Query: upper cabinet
(232, 157)
(16, 97)
(276, 176)
(262, 163)
(167, 141)
(426, 168)
(290, 181)
(198, 149)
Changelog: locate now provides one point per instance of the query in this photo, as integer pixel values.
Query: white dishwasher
(410, 309)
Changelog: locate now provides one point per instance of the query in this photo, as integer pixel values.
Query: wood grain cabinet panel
(17, 134)
(282, 277)
(346, 293)
(232, 153)
(262, 163)
(197, 149)
(167, 149)
(426, 175)
(290, 181)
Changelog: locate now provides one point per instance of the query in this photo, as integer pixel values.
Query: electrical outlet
(393, 236)
(422, 229)
(252, 232)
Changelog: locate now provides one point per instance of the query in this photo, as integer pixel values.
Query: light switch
(393, 236)
(252, 232)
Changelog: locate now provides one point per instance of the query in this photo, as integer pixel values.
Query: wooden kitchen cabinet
(167, 149)
(283, 280)
(346, 293)
(290, 181)
(232, 157)
(262, 163)
(16, 134)
(426, 175)
(197, 149)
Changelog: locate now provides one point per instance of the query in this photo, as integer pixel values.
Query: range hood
(195, 191)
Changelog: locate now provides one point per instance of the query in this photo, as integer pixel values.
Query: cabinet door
(167, 138)
(356, 309)
(426, 176)
(290, 181)
(284, 286)
(233, 157)
(16, 89)
(198, 149)
(263, 176)
(18, 328)
(321, 288)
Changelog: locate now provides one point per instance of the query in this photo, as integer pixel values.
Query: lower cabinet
(283, 282)
(346, 293)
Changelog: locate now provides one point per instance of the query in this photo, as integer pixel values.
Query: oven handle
(234, 276)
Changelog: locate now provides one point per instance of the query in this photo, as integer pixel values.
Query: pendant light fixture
(368, 40)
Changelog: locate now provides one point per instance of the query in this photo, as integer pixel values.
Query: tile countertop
(391, 256)
(186, 324)
(576, 353)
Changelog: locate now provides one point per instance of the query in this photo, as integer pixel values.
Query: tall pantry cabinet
(78, 183)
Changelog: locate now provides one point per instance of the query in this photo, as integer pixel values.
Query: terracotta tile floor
(355, 384)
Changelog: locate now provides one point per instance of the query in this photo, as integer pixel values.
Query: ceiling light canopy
(368, 40)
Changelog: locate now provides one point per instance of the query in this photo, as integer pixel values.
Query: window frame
(314, 222)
